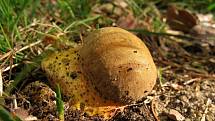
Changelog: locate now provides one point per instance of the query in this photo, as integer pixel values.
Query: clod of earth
(111, 69)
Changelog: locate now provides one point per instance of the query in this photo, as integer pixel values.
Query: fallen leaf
(175, 115)
(24, 115)
(128, 22)
(181, 20)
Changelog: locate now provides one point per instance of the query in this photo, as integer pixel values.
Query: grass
(24, 22)
(6, 116)
(77, 9)
(15, 14)
(12, 13)
(60, 104)
(21, 23)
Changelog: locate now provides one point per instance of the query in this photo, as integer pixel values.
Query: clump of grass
(76, 9)
(11, 13)
(23, 23)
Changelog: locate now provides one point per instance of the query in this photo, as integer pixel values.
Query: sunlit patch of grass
(11, 13)
(24, 22)
(76, 9)
(137, 10)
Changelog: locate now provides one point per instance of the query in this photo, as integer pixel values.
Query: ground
(184, 57)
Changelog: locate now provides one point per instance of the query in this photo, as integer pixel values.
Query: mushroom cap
(118, 65)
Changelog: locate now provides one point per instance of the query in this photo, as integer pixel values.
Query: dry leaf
(175, 115)
(24, 115)
(185, 21)
(128, 22)
(181, 20)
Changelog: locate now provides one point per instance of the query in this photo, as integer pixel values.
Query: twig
(201, 75)
(153, 107)
(206, 109)
(144, 31)
(81, 37)
(28, 46)
(7, 97)
(8, 68)
(191, 81)
(19, 50)
(1, 83)
(15, 102)
(5, 55)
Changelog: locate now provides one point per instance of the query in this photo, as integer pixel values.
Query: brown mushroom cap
(118, 65)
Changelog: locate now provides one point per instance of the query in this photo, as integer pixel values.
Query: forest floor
(183, 53)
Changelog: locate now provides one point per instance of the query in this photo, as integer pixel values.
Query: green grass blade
(81, 22)
(5, 36)
(5, 115)
(65, 5)
(211, 7)
(60, 104)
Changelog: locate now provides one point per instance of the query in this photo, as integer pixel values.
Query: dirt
(184, 90)
(180, 87)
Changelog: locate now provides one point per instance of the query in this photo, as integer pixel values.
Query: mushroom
(112, 68)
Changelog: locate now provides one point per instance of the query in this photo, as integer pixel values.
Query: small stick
(153, 107)
(206, 109)
(1, 83)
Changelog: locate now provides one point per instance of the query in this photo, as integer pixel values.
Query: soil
(182, 92)
(184, 89)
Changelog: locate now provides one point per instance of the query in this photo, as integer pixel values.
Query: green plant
(60, 104)
(6, 116)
